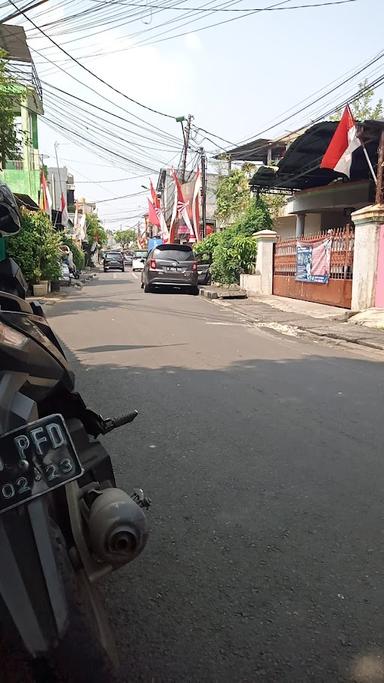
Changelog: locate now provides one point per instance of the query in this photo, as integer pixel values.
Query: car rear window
(113, 255)
(174, 254)
(140, 254)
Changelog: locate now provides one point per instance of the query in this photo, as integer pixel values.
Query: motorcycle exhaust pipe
(117, 527)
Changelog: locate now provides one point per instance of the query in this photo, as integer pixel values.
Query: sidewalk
(294, 317)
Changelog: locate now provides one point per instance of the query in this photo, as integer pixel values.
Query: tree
(233, 196)
(127, 238)
(363, 108)
(36, 247)
(95, 231)
(10, 144)
(233, 250)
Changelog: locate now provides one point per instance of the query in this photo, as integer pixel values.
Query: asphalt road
(263, 455)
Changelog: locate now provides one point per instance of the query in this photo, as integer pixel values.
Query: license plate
(173, 268)
(36, 459)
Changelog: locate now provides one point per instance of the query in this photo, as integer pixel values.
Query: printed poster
(313, 261)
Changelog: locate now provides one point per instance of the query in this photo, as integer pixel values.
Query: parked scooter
(63, 522)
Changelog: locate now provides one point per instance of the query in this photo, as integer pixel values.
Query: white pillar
(300, 225)
(264, 260)
(367, 226)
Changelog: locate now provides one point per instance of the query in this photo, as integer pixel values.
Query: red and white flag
(45, 196)
(64, 211)
(196, 205)
(181, 206)
(338, 155)
(155, 198)
(163, 225)
(152, 215)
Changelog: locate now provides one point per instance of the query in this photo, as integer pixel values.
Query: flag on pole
(64, 211)
(152, 215)
(45, 196)
(196, 204)
(155, 198)
(182, 205)
(338, 155)
(163, 225)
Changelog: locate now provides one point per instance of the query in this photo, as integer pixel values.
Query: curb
(295, 330)
(225, 294)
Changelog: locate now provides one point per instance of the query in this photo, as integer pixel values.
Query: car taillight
(153, 264)
(194, 266)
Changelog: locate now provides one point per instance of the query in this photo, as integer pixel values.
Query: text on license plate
(35, 459)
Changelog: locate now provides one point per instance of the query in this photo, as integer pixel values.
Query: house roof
(13, 40)
(300, 166)
(256, 150)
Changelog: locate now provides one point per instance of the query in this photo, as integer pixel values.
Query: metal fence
(341, 253)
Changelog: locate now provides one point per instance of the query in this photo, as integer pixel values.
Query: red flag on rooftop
(338, 155)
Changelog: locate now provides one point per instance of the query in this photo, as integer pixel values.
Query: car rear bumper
(172, 279)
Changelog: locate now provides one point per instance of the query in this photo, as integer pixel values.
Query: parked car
(204, 272)
(113, 260)
(138, 260)
(170, 265)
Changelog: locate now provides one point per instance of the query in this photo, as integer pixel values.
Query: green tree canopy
(95, 231)
(127, 238)
(364, 108)
(233, 196)
(10, 145)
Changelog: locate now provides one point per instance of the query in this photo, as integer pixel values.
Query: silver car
(170, 265)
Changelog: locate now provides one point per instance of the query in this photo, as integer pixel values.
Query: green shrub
(36, 247)
(78, 254)
(233, 255)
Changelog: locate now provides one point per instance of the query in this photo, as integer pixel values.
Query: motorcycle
(64, 524)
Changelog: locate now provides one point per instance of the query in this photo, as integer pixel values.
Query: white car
(139, 258)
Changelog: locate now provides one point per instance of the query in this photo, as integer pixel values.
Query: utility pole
(203, 162)
(380, 171)
(186, 136)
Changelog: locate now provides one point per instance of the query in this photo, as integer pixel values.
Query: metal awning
(299, 168)
(24, 200)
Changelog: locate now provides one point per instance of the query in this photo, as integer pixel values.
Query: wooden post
(380, 171)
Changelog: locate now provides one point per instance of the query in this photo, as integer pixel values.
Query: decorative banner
(313, 261)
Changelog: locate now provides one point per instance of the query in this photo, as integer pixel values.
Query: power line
(89, 71)
(245, 9)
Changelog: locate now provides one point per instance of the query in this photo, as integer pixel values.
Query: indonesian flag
(182, 207)
(152, 215)
(155, 199)
(196, 205)
(338, 155)
(64, 211)
(45, 196)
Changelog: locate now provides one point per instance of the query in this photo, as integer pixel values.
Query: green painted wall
(24, 182)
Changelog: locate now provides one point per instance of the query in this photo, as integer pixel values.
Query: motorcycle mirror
(9, 212)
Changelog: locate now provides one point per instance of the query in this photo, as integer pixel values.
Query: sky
(236, 79)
